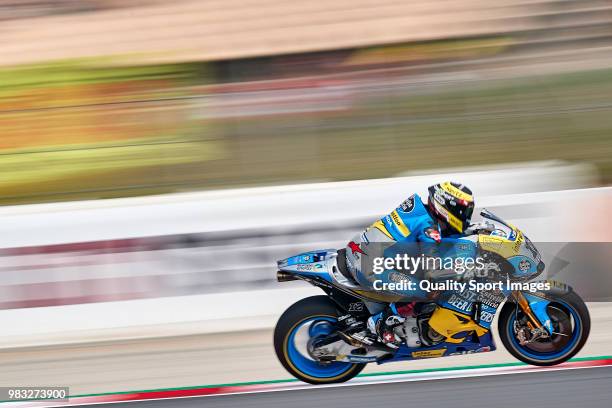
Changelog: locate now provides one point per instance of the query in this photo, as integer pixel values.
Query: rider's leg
(384, 324)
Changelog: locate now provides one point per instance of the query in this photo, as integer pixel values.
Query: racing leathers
(410, 222)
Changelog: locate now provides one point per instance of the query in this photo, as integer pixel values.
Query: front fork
(535, 308)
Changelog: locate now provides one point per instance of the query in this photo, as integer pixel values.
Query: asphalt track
(584, 388)
(170, 362)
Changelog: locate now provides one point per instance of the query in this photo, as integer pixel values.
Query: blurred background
(223, 135)
(105, 98)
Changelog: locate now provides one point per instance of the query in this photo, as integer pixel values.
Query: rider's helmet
(452, 205)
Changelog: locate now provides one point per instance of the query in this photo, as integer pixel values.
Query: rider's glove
(479, 227)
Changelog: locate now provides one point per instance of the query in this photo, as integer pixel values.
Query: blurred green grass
(15, 80)
(160, 147)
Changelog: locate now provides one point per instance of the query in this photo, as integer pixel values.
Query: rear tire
(302, 313)
(569, 304)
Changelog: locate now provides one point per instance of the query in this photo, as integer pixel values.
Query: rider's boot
(356, 329)
(383, 325)
(380, 328)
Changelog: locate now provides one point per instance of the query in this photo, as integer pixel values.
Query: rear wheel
(571, 325)
(304, 321)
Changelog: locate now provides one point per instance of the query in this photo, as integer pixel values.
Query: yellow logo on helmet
(455, 222)
(455, 192)
(450, 218)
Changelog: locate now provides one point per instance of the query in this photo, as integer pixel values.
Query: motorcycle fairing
(537, 302)
(322, 265)
(320, 269)
(481, 307)
(454, 326)
(310, 264)
(511, 244)
(538, 306)
(469, 345)
(484, 344)
(304, 266)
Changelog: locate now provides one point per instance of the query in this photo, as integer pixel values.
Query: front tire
(310, 317)
(569, 315)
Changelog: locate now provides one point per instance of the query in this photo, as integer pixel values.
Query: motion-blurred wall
(229, 241)
(201, 263)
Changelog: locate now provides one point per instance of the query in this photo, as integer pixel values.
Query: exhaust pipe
(284, 277)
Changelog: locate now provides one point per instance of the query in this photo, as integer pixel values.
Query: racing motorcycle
(314, 341)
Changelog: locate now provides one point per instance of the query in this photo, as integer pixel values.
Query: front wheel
(304, 321)
(571, 325)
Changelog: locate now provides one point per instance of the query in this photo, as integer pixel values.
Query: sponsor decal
(486, 317)
(441, 209)
(361, 359)
(518, 243)
(408, 205)
(460, 303)
(456, 192)
(388, 337)
(557, 285)
(491, 299)
(483, 349)
(454, 221)
(355, 307)
(354, 247)
(305, 267)
(429, 353)
(524, 265)
(360, 337)
(397, 277)
(433, 234)
(399, 223)
(498, 233)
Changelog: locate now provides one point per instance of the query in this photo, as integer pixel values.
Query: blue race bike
(314, 342)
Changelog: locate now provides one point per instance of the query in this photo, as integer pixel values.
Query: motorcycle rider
(447, 213)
